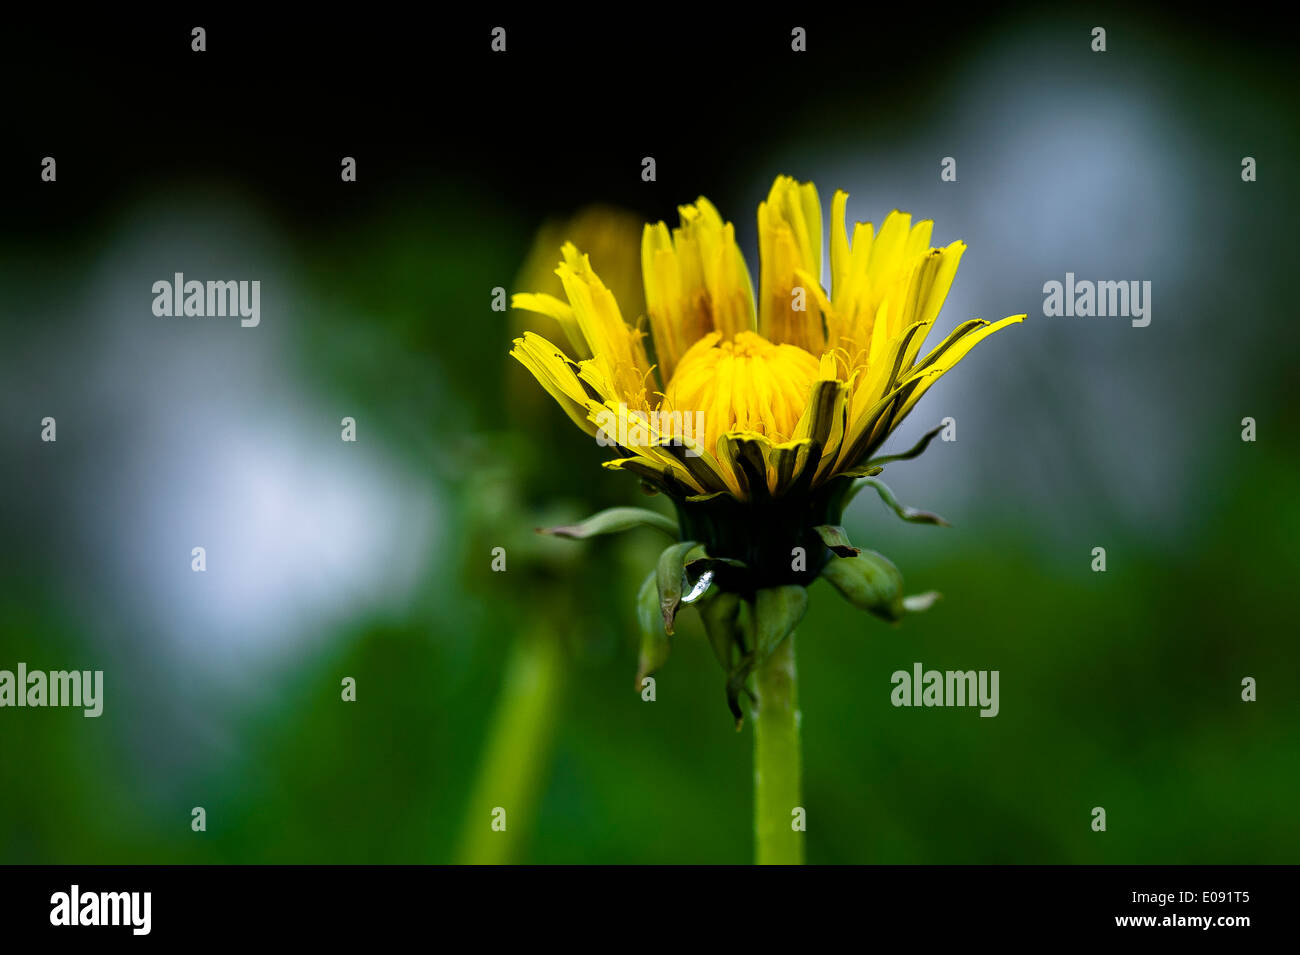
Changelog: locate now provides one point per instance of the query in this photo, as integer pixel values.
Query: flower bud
(870, 582)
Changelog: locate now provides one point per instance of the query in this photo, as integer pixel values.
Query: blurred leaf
(615, 520)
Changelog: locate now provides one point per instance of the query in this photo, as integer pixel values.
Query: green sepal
(721, 617)
(837, 539)
(870, 582)
(654, 641)
(736, 680)
(776, 612)
(906, 455)
(671, 574)
(614, 520)
(727, 618)
(862, 470)
(906, 513)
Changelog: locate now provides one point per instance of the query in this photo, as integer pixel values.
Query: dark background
(1119, 689)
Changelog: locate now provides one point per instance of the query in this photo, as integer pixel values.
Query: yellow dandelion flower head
(715, 391)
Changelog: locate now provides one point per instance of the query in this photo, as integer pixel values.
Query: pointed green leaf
(862, 470)
(727, 617)
(870, 582)
(613, 521)
(736, 685)
(906, 455)
(906, 513)
(777, 611)
(654, 641)
(672, 580)
(837, 539)
(721, 616)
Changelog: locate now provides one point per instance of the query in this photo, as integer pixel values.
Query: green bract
(746, 566)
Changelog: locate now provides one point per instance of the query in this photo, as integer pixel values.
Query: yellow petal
(562, 312)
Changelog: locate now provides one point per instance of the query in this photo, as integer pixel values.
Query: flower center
(743, 384)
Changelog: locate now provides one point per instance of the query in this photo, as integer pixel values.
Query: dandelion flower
(758, 415)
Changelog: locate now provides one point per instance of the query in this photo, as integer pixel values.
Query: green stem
(516, 752)
(777, 763)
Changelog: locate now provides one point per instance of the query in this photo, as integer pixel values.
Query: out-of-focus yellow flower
(610, 238)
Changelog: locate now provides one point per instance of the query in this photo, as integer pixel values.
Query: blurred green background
(330, 560)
